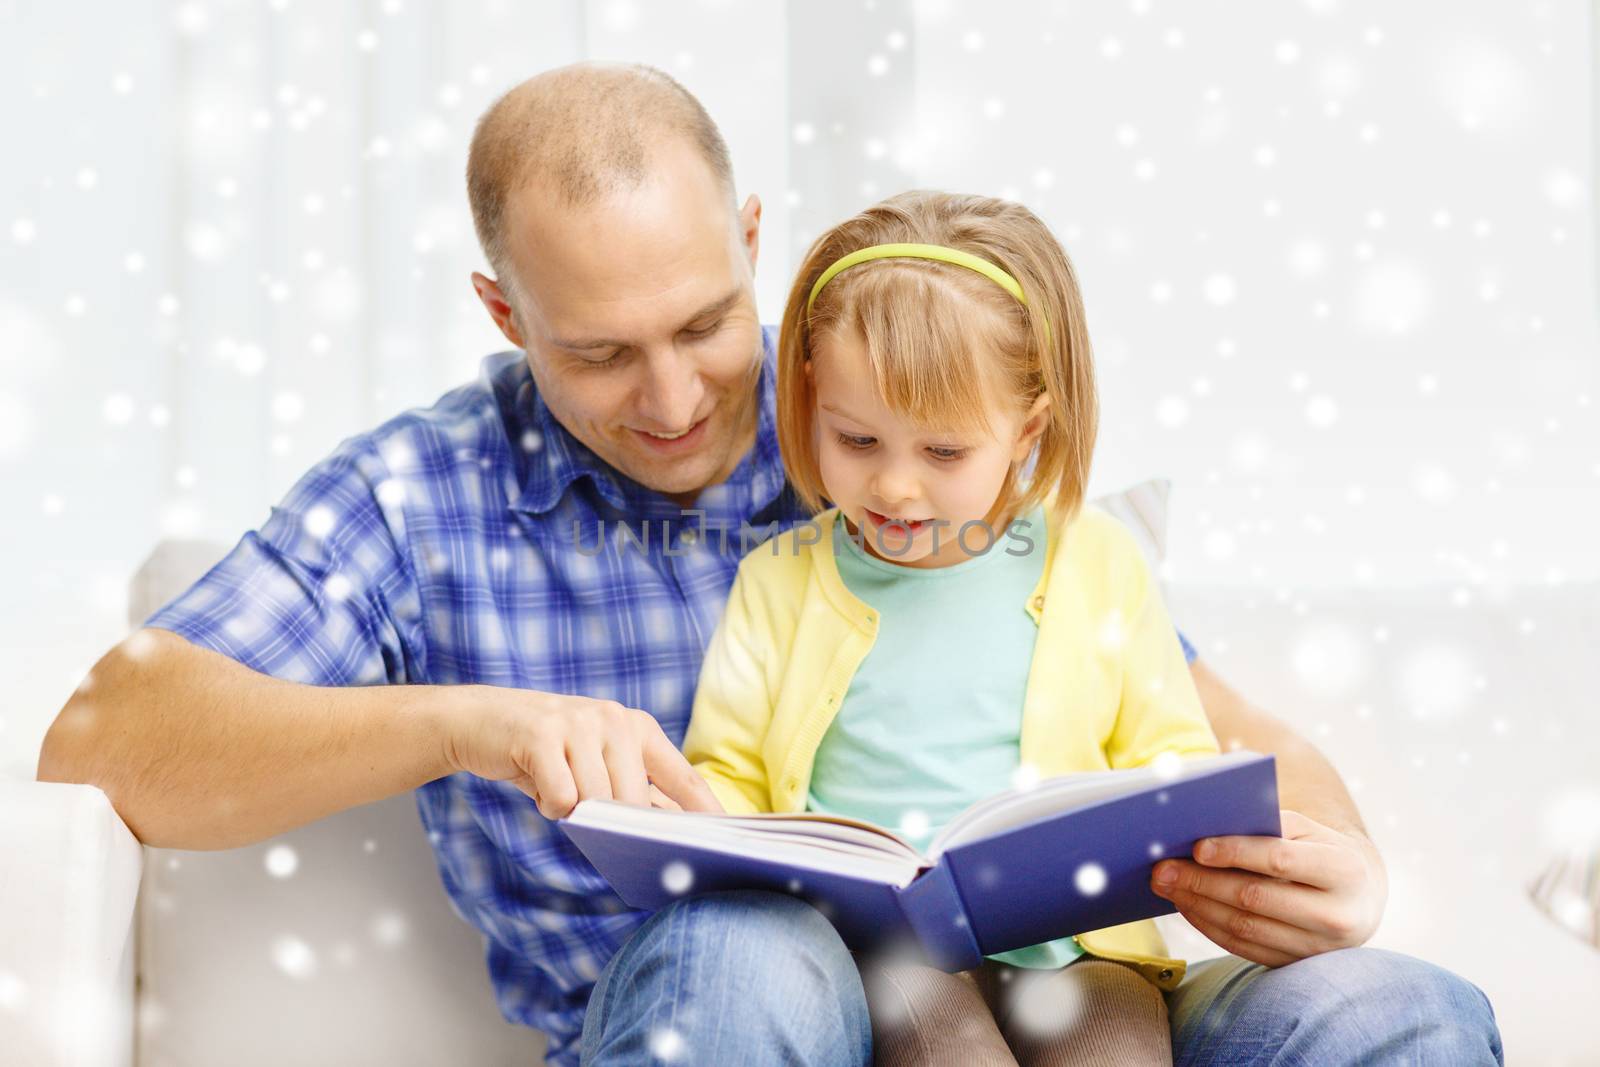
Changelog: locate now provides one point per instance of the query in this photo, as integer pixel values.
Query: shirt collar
(553, 459)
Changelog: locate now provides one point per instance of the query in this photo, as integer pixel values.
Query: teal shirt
(932, 720)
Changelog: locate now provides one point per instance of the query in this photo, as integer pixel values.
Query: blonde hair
(943, 340)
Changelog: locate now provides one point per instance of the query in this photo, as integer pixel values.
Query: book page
(819, 842)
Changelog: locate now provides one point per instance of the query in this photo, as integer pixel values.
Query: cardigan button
(1166, 974)
(1038, 602)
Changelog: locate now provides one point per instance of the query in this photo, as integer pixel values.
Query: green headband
(915, 251)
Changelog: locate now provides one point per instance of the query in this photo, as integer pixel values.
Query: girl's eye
(947, 455)
(850, 440)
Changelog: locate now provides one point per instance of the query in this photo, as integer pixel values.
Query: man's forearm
(196, 751)
(1307, 782)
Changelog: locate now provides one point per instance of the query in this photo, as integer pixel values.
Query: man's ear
(499, 307)
(750, 228)
(1033, 424)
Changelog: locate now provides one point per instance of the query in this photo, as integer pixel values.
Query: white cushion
(356, 956)
(67, 889)
(1142, 509)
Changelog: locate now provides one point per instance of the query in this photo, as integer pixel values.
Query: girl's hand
(1274, 901)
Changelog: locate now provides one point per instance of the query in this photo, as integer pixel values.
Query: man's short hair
(585, 131)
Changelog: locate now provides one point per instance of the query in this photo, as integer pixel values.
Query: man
(427, 610)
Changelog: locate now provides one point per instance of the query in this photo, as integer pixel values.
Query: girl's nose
(893, 484)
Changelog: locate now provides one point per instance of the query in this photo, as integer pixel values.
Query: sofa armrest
(68, 885)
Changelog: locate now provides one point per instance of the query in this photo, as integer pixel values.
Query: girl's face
(878, 465)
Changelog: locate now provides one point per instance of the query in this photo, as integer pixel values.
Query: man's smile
(673, 444)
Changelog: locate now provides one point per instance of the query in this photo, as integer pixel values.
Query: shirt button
(688, 537)
(1038, 602)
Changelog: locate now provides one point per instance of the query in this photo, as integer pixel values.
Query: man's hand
(1275, 901)
(563, 749)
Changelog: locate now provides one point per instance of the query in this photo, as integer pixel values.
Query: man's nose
(673, 390)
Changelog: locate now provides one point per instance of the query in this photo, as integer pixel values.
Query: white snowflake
(1322, 411)
(294, 957)
(117, 409)
(282, 861)
(677, 877)
(391, 492)
(288, 406)
(389, 929)
(1025, 777)
(1045, 1003)
(667, 1045)
(1172, 411)
(1167, 766)
(1220, 289)
(914, 823)
(1433, 482)
(1113, 631)
(1307, 257)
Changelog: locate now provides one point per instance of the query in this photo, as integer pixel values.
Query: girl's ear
(1033, 424)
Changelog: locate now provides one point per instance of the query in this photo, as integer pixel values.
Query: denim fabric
(1354, 1006)
(730, 978)
(756, 978)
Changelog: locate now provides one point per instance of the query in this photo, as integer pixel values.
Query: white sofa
(353, 957)
(1459, 725)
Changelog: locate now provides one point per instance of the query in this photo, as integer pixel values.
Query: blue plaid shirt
(457, 545)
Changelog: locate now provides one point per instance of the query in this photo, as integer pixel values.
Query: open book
(1069, 855)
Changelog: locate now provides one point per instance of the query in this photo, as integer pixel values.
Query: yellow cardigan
(1108, 686)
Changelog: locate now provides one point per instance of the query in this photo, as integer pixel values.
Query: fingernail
(1203, 849)
(1166, 874)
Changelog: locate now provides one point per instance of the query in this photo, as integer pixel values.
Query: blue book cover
(1068, 855)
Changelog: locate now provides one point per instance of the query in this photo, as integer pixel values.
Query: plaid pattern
(440, 549)
(456, 545)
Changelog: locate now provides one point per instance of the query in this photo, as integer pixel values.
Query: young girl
(956, 622)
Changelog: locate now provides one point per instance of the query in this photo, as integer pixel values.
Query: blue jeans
(1357, 1005)
(730, 978)
(757, 978)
